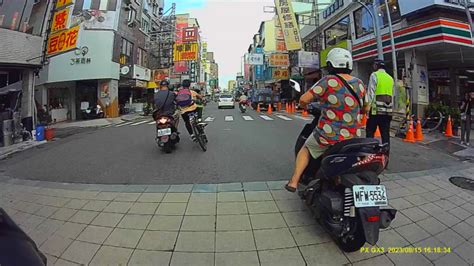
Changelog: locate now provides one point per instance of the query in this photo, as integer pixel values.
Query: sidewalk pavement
(254, 223)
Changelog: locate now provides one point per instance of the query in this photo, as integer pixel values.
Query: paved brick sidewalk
(232, 224)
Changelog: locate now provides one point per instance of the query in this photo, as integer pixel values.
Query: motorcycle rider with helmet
(165, 103)
(340, 96)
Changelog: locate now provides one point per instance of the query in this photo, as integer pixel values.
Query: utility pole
(394, 53)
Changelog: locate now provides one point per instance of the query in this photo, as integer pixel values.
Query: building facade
(109, 66)
(433, 44)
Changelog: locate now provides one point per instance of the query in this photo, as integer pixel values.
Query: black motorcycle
(167, 135)
(343, 190)
(93, 112)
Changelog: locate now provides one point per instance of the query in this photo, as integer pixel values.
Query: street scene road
(236, 132)
(242, 148)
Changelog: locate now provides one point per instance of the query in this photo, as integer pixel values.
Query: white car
(226, 100)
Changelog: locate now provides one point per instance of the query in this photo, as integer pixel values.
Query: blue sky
(228, 27)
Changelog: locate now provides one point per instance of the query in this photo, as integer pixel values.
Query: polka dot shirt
(341, 113)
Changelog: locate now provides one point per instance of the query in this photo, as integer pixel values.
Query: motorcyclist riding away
(340, 96)
(185, 101)
(165, 103)
(243, 99)
(199, 102)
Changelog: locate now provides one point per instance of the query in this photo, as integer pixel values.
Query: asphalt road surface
(242, 148)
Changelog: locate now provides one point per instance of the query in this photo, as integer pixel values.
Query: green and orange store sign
(425, 33)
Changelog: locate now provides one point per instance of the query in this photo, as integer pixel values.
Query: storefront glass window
(364, 22)
(337, 32)
(22, 15)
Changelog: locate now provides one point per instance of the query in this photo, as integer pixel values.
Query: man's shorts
(314, 148)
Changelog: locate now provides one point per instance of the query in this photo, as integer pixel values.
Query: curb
(37, 143)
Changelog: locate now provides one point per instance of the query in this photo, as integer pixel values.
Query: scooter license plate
(164, 132)
(369, 196)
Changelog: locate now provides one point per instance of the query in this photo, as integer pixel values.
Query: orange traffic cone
(305, 113)
(258, 108)
(293, 108)
(270, 109)
(419, 131)
(287, 107)
(279, 106)
(410, 137)
(377, 133)
(449, 128)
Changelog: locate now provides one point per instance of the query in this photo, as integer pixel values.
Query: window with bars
(106, 5)
(126, 52)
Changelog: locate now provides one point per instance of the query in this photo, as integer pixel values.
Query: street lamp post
(394, 53)
(467, 5)
(378, 37)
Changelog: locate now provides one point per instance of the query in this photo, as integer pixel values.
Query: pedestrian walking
(380, 99)
(467, 104)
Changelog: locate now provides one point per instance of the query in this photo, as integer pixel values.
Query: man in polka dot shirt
(341, 112)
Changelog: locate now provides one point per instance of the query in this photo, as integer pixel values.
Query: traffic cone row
(449, 128)
(269, 109)
(410, 136)
(419, 131)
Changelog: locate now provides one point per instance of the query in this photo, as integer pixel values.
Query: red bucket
(49, 134)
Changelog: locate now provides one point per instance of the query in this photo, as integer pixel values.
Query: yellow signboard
(63, 41)
(288, 24)
(279, 60)
(63, 3)
(186, 52)
(61, 20)
(280, 73)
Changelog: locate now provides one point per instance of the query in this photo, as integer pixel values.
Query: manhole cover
(462, 182)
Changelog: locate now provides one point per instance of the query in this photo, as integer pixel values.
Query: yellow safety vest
(383, 104)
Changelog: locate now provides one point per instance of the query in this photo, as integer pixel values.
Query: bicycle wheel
(432, 121)
(199, 136)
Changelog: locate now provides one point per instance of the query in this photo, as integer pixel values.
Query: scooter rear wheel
(355, 244)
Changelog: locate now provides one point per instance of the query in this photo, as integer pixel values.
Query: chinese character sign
(63, 3)
(63, 41)
(280, 73)
(186, 52)
(61, 20)
(255, 59)
(190, 34)
(279, 60)
(289, 25)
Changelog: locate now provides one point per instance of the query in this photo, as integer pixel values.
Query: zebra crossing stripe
(139, 123)
(247, 118)
(209, 119)
(229, 118)
(123, 124)
(264, 117)
(303, 118)
(284, 117)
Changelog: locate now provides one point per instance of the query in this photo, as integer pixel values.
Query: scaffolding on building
(162, 38)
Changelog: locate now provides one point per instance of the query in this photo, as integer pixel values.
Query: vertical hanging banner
(62, 37)
(259, 69)
(181, 24)
(289, 25)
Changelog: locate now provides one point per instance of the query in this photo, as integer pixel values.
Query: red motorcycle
(167, 135)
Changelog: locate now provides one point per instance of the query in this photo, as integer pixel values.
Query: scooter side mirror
(295, 85)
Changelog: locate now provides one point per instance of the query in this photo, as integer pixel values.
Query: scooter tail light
(370, 159)
(373, 219)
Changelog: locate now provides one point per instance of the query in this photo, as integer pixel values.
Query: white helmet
(339, 58)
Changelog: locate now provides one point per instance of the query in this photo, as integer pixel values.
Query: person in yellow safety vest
(380, 102)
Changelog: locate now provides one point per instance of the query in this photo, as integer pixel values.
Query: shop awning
(152, 85)
(15, 87)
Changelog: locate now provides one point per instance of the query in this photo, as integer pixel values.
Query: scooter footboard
(369, 219)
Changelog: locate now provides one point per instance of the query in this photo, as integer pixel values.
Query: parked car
(226, 100)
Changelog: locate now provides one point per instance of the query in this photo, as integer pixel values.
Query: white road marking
(284, 117)
(247, 118)
(139, 123)
(209, 119)
(124, 124)
(152, 123)
(264, 117)
(229, 118)
(303, 118)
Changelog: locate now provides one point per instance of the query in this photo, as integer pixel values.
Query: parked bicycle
(198, 130)
(431, 122)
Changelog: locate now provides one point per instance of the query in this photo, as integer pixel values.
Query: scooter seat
(351, 144)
